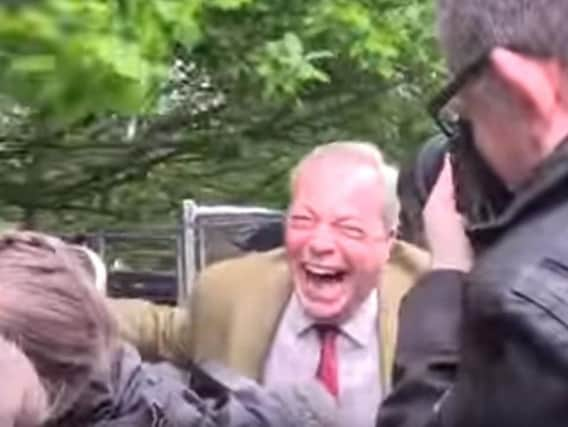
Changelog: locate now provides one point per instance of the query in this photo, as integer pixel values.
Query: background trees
(112, 111)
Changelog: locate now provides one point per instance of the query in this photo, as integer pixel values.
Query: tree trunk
(29, 221)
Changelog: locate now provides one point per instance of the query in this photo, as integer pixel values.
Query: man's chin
(324, 310)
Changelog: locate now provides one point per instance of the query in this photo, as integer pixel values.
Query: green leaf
(33, 64)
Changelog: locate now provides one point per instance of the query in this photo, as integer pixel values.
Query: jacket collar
(546, 187)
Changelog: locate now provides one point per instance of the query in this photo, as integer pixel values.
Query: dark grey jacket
(512, 365)
(139, 394)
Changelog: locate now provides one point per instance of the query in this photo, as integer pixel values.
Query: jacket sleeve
(249, 404)
(141, 394)
(427, 350)
(158, 332)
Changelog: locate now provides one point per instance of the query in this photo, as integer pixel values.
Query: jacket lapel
(405, 266)
(255, 321)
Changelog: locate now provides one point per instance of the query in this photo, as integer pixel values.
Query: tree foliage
(115, 110)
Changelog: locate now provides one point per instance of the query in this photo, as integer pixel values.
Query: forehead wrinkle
(342, 175)
(350, 172)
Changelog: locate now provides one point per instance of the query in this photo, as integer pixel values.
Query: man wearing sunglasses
(510, 93)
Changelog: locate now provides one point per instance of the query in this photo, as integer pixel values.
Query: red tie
(327, 368)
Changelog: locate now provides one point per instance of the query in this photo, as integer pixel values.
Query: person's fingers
(442, 194)
(444, 188)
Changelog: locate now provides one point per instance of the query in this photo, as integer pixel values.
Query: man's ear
(536, 81)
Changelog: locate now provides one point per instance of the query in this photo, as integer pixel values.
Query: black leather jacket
(513, 354)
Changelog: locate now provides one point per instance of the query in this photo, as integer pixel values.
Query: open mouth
(324, 276)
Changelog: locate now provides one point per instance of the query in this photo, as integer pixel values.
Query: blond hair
(368, 153)
(50, 308)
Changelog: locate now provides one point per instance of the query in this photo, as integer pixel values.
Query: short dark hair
(468, 29)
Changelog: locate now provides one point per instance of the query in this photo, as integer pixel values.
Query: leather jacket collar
(546, 187)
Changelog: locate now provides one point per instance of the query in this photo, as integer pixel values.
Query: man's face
(336, 241)
(501, 146)
(515, 109)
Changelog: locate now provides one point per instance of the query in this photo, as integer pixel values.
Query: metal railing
(162, 265)
(197, 246)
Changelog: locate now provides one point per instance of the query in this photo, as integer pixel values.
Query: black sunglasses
(448, 125)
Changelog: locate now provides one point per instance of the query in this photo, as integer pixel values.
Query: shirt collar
(360, 328)
(298, 320)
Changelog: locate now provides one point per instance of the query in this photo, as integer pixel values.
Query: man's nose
(322, 241)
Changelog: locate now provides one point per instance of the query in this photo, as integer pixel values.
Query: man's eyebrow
(301, 210)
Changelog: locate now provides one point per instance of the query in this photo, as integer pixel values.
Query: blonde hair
(370, 154)
(51, 309)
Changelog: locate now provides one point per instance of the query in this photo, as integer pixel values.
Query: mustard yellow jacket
(236, 306)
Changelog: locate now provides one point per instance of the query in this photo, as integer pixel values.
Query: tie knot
(326, 331)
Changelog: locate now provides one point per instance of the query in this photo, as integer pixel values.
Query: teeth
(321, 270)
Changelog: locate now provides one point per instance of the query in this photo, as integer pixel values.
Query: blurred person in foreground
(50, 307)
(325, 306)
(510, 62)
